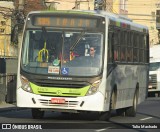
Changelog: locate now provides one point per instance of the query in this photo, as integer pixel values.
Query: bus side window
(129, 54)
(110, 37)
(130, 47)
(123, 54)
(115, 55)
(136, 48)
(116, 45)
(124, 36)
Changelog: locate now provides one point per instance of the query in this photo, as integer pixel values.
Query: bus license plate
(57, 101)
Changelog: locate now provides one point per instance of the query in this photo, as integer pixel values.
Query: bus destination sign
(65, 22)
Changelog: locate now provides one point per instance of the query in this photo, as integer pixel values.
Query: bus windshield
(154, 66)
(62, 53)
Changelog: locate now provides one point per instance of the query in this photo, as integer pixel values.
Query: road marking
(100, 130)
(146, 118)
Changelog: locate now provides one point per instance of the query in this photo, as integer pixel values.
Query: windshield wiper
(77, 40)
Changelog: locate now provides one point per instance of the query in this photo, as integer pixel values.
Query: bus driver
(92, 51)
(94, 58)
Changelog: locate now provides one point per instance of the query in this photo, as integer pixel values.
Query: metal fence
(8, 88)
(8, 79)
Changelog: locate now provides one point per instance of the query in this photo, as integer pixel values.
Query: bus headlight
(25, 84)
(93, 88)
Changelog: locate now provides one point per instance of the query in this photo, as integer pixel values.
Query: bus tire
(105, 116)
(121, 112)
(37, 113)
(131, 111)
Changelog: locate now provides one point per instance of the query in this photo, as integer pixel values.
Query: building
(119, 6)
(144, 12)
(22, 8)
(71, 4)
(140, 11)
(6, 48)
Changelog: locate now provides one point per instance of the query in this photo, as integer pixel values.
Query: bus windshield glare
(62, 53)
(154, 66)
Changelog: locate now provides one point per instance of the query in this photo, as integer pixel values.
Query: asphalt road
(148, 116)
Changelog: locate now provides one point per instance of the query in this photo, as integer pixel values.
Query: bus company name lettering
(22, 126)
(60, 78)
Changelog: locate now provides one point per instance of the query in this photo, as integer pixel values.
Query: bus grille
(66, 104)
(45, 83)
(153, 81)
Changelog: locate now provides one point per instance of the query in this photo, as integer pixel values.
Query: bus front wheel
(37, 113)
(105, 116)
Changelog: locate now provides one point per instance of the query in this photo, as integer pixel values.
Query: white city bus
(57, 73)
(154, 71)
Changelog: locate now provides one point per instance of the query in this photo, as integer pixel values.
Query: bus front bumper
(86, 103)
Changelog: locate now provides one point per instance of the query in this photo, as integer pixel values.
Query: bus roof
(117, 19)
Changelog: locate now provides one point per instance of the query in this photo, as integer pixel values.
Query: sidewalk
(8, 107)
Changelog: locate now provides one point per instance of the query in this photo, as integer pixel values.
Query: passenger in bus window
(116, 55)
(122, 56)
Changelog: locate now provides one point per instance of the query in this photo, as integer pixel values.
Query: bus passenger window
(116, 54)
(116, 45)
(109, 55)
(110, 47)
(123, 54)
(135, 55)
(129, 55)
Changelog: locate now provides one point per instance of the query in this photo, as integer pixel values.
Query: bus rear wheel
(37, 113)
(131, 111)
(121, 112)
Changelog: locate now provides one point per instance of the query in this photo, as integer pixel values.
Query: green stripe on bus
(71, 12)
(56, 91)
